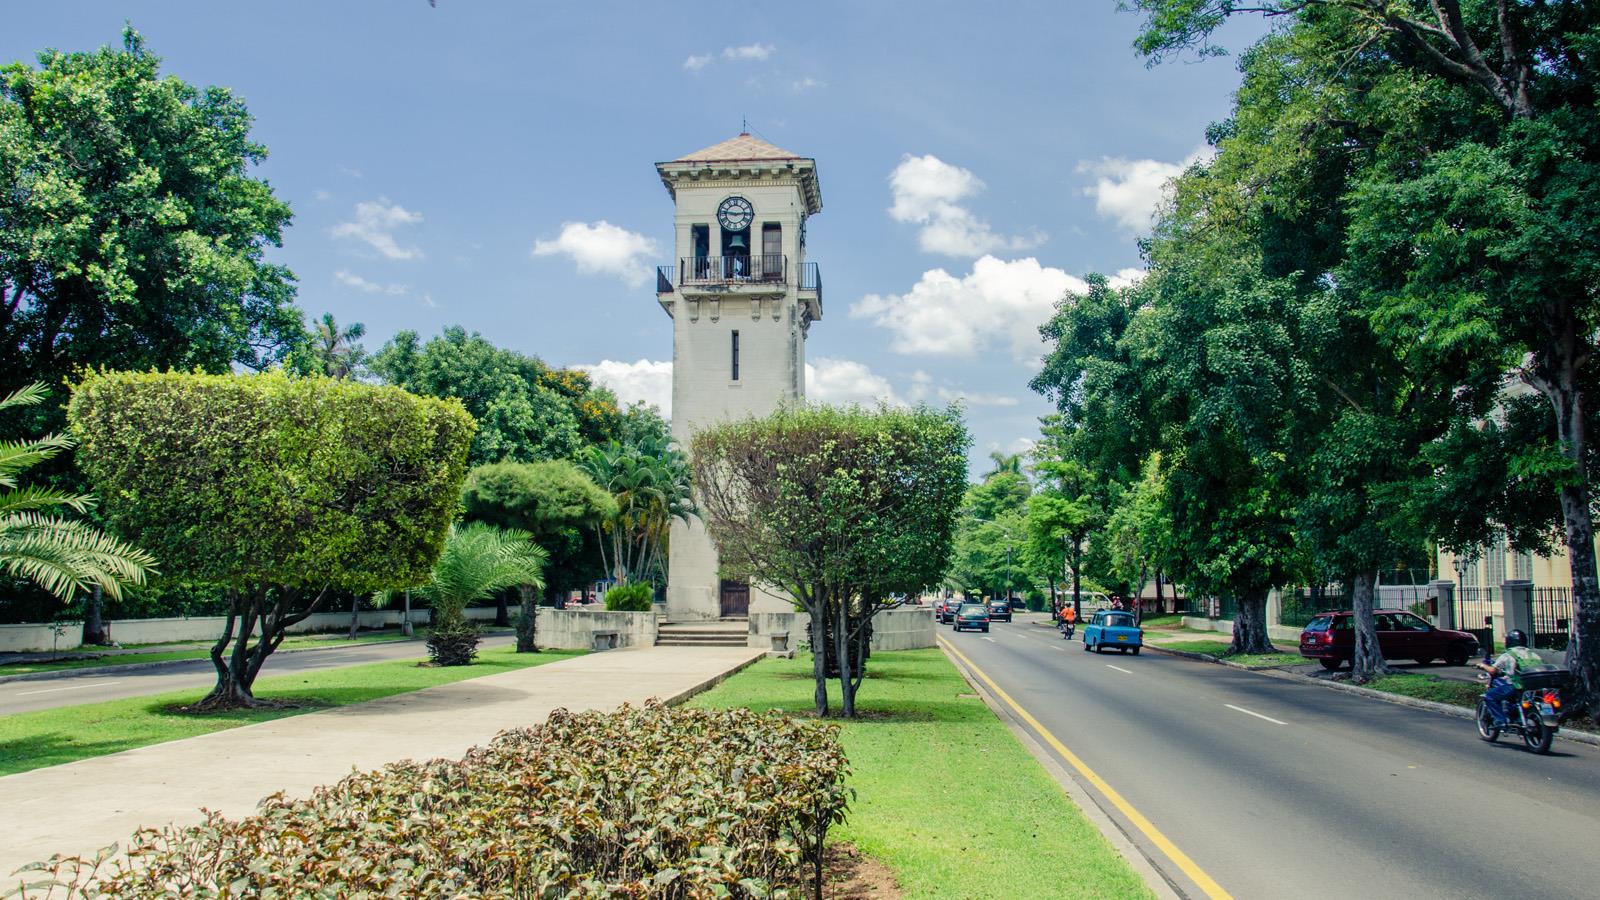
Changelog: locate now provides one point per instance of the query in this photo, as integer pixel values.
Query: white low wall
(1225, 627)
(906, 628)
(37, 638)
(574, 629)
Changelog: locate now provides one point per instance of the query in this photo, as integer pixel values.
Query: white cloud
(1131, 191)
(846, 381)
(349, 171)
(320, 194)
(928, 191)
(801, 85)
(646, 380)
(350, 279)
(755, 52)
(374, 225)
(925, 389)
(696, 62)
(1000, 302)
(603, 248)
(1126, 278)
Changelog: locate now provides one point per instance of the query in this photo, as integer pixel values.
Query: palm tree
(477, 561)
(1007, 463)
(61, 555)
(336, 349)
(650, 483)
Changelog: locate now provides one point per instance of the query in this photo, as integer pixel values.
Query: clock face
(735, 213)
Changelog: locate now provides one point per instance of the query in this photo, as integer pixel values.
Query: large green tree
(840, 508)
(1483, 230)
(555, 503)
(132, 231)
(281, 489)
(519, 417)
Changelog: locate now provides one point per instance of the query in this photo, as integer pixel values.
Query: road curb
(135, 667)
(1458, 712)
(1120, 841)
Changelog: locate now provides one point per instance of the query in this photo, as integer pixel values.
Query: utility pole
(1008, 574)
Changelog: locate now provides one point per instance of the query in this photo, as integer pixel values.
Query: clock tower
(742, 299)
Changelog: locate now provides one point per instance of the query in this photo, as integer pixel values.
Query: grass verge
(1219, 649)
(1427, 687)
(33, 740)
(946, 796)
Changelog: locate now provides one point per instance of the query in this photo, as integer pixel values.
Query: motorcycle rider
(1069, 619)
(1505, 674)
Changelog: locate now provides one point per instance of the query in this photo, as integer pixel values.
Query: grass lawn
(1219, 649)
(946, 796)
(1427, 687)
(49, 737)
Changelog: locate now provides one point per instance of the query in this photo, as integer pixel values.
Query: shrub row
(643, 802)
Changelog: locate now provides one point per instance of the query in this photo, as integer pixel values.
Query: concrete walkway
(80, 807)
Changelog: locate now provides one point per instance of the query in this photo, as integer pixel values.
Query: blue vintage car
(1113, 628)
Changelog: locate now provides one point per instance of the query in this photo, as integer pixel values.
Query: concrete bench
(778, 643)
(606, 640)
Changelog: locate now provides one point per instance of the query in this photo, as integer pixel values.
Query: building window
(1494, 563)
(736, 356)
(1522, 567)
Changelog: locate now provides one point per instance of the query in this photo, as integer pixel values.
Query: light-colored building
(742, 299)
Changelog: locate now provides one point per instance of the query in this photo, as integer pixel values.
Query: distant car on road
(1115, 629)
(972, 615)
(1330, 639)
(999, 609)
(945, 610)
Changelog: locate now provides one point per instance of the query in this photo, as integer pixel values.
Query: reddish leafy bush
(651, 802)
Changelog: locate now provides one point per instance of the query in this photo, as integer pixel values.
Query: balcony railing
(768, 268)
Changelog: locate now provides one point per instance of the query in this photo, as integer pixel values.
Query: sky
(490, 164)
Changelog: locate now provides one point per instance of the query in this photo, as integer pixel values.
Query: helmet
(1517, 638)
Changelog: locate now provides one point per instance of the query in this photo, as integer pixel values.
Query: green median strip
(1219, 649)
(1427, 687)
(33, 740)
(946, 796)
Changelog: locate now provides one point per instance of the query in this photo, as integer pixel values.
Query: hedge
(642, 802)
(635, 596)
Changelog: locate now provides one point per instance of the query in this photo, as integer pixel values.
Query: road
(27, 696)
(1275, 788)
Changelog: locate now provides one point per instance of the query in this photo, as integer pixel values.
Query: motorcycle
(1066, 629)
(1535, 711)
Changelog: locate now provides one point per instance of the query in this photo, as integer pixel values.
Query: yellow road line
(1149, 830)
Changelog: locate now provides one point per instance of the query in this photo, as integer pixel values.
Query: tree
(649, 483)
(1138, 533)
(64, 556)
(1069, 507)
(134, 233)
(1482, 229)
(558, 505)
(839, 508)
(280, 489)
(333, 351)
(477, 561)
(519, 418)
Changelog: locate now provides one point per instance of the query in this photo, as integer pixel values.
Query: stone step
(680, 642)
(730, 639)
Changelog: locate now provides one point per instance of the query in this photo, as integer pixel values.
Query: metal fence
(1298, 606)
(1552, 617)
(1475, 609)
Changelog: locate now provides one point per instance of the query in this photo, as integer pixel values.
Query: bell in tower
(740, 313)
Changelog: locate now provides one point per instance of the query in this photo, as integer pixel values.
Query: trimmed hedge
(643, 802)
(635, 596)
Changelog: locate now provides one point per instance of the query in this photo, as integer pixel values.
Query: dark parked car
(1330, 639)
(972, 615)
(945, 610)
(999, 610)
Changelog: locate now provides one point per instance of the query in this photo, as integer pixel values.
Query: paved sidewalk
(83, 806)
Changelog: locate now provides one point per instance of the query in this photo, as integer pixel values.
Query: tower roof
(738, 149)
(743, 156)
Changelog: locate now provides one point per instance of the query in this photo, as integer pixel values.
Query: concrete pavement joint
(1117, 836)
(1458, 712)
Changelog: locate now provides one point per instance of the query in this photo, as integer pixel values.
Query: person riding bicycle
(1505, 674)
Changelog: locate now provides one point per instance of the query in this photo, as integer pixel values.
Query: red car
(1330, 639)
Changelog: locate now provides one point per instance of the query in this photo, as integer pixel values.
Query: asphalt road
(1277, 789)
(27, 696)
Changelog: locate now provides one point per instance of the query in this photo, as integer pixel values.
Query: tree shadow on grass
(36, 751)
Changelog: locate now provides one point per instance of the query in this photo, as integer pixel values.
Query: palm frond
(64, 556)
(16, 456)
(27, 395)
(33, 498)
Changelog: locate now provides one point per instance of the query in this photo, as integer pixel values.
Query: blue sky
(975, 161)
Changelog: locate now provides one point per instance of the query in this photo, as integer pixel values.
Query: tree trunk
(818, 612)
(94, 627)
(1077, 580)
(355, 614)
(847, 700)
(238, 667)
(528, 621)
(1583, 649)
(1161, 601)
(1250, 624)
(1366, 662)
(405, 616)
(502, 610)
